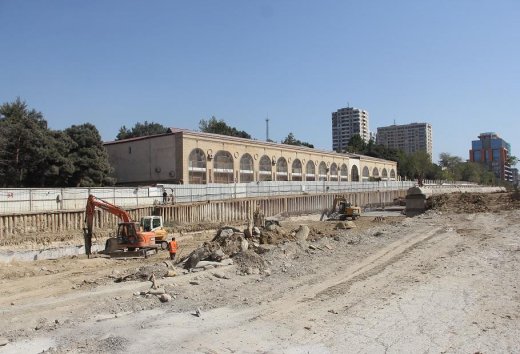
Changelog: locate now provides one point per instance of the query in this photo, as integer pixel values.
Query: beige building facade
(184, 156)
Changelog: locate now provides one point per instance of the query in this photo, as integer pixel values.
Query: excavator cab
(126, 233)
(154, 223)
(151, 223)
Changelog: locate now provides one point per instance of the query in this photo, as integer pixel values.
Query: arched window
(343, 172)
(310, 171)
(392, 174)
(366, 173)
(281, 170)
(246, 169)
(354, 174)
(384, 174)
(375, 172)
(223, 167)
(197, 167)
(296, 170)
(322, 171)
(333, 172)
(265, 169)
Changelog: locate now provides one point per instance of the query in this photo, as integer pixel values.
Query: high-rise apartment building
(493, 152)
(409, 137)
(347, 122)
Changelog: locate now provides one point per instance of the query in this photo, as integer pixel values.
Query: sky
(113, 63)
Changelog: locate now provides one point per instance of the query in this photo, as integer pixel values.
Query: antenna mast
(267, 128)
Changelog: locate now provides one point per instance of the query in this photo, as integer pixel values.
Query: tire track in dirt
(336, 285)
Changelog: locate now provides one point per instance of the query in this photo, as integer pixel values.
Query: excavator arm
(92, 204)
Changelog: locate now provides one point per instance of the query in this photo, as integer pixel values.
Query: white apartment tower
(409, 137)
(347, 122)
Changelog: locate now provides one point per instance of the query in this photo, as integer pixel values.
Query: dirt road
(440, 282)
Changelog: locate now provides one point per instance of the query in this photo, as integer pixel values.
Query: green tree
(90, 159)
(31, 155)
(422, 164)
(58, 167)
(451, 166)
(470, 172)
(215, 126)
(141, 129)
(291, 140)
(511, 160)
(356, 145)
(26, 143)
(405, 165)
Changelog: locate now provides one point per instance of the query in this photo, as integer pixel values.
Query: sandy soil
(446, 281)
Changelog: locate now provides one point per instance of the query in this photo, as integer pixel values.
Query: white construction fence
(23, 200)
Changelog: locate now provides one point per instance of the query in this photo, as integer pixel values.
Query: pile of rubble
(245, 246)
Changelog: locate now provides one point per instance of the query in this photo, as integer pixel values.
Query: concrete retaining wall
(440, 189)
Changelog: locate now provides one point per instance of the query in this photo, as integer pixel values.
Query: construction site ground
(446, 281)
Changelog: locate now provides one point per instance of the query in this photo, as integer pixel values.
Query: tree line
(32, 155)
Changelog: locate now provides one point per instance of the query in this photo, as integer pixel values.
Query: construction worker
(173, 248)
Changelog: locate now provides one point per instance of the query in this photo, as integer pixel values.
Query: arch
(392, 173)
(296, 170)
(223, 167)
(246, 169)
(265, 169)
(384, 173)
(310, 171)
(197, 167)
(375, 172)
(354, 174)
(366, 173)
(343, 172)
(333, 172)
(281, 170)
(322, 171)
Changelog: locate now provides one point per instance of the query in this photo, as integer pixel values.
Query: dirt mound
(144, 273)
(248, 261)
(473, 202)
(275, 236)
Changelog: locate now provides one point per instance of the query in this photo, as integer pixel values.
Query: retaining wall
(16, 228)
(440, 189)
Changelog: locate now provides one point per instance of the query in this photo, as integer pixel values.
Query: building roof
(173, 131)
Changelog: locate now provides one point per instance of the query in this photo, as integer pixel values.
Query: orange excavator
(129, 241)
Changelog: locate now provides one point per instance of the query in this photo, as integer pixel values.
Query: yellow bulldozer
(341, 210)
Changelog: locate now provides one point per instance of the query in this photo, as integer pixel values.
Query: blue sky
(454, 64)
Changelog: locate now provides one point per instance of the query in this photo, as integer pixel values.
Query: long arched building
(184, 156)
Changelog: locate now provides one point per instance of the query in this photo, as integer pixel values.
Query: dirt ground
(446, 281)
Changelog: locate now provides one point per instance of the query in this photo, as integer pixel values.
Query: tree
(451, 166)
(291, 140)
(511, 160)
(58, 168)
(90, 159)
(141, 129)
(422, 163)
(31, 155)
(215, 126)
(25, 145)
(356, 145)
